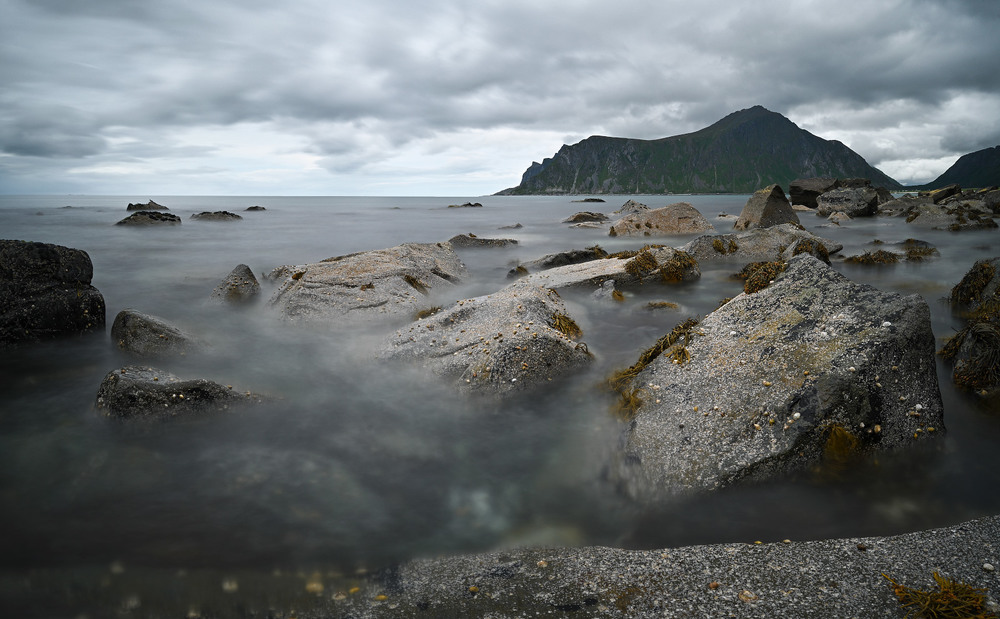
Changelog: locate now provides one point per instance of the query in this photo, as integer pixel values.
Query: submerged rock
(760, 244)
(466, 205)
(216, 216)
(649, 265)
(149, 206)
(366, 286)
(766, 207)
(516, 339)
(465, 241)
(255, 208)
(806, 372)
(139, 392)
(147, 218)
(45, 292)
(679, 218)
(240, 286)
(585, 217)
(143, 335)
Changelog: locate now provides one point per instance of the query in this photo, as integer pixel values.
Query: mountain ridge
(740, 153)
(977, 169)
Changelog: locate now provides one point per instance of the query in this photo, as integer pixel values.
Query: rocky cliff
(978, 169)
(741, 153)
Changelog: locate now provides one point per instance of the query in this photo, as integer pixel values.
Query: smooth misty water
(356, 465)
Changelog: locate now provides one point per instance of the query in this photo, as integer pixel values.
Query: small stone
(715, 584)
(796, 416)
(851, 369)
(747, 596)
(988, 567)
(887, 324)
(862, 547)
(230, 585)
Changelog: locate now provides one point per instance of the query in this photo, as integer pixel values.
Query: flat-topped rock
(374, 285)
(148, 218)
(760, 244)
(466, 241)
(856, 201)
(516, 339)
(216, 216)
(149, 206)
(655, 264)
(673, 219)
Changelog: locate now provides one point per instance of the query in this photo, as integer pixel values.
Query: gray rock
(45, 292)
(657, 264)
(255, 208)
(819, 579)
(366, 286)
(804, 191)
(838, 217)
(585, 217)
(679, 218)
(902, 206)
(573, 256)
(631, 207)
(466, 241)
(777, 376)
(216, 216)
(139, 392)
(856, 202)
(147, 218)
(240, 286)
(954, 217)
(608, 292)
(516, 226)
(757, 244)
(514, 340)
(147, 336)
(149, 206)
(766, 207)
(939, 195)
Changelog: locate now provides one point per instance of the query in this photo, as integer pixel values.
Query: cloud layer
(457, 98)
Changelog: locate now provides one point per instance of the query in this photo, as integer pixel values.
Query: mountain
(978, 169)
(741, 153)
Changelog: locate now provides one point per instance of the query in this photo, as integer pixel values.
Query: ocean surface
(356, 467)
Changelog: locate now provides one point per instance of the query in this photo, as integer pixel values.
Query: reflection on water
(357, 464)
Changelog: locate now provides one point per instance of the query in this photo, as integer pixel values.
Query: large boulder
(149, 206)
(804, 191)
(139, 392)
(760, 244)
(679, 218)
(766, 207)
(902, 206)
(855, 201)
(466, 241)
(366, 286)
(804, 373)
(240, 286)
(943, 193)
(45, 292)
(149, 218)
(651, 264)
(148, 336)
(516, 339)
(551, 261)
(585, 217)
(953, 216)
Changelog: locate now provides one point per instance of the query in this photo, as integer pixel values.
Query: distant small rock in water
(590, 200)
(585, 216)
(466, 205)
(146, 218)
(149, 206)
(216, 216)
(471, 240)
(256, 208)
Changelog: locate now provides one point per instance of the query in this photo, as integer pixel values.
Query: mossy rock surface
(639, 267)
(777, 242)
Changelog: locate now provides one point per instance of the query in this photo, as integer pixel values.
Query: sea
(353, 467)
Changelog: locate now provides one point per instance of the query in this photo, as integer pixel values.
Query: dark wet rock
(980, 284)
(149, 206)
(902, 206)
(938, 196)
(679, 218)
(975, 348)
(255, 208)
(853, 183)
(805, 373)
(240, 286)
(551, 261)
(804, 191)
(596, 200)
(631, 207)
(516, 226)
(585, 216)
(820, 578)
(466, 241)
(365, 286)
(514, 340)
(466, 205)
(758, 244)
(139, 392)
(148, 336)
(766, 207)
(955, 216)
(216, 216)
(855, 201)
(147, 218)
(45, 292)
(650, 265)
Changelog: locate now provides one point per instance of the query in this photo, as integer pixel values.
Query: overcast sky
(428, 97)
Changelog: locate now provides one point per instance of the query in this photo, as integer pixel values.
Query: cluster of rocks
(152, 213)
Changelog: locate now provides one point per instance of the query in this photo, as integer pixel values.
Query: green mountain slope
(741, 153)
(978, 169)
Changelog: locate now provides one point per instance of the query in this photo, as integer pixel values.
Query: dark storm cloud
(354, 83)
